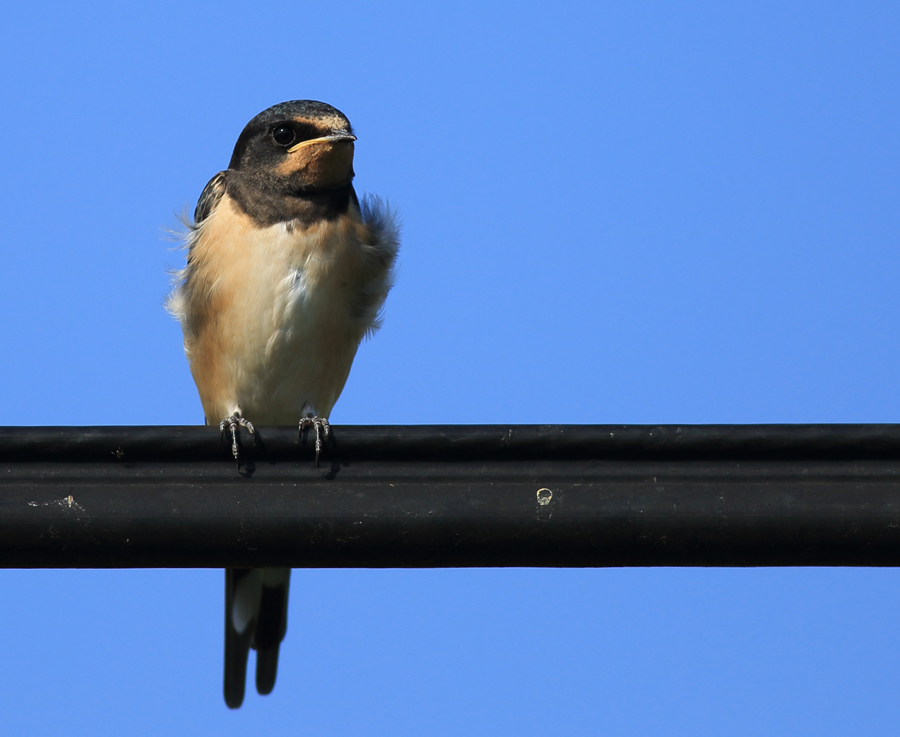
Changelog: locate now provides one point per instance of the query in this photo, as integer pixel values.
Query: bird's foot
(323, 429)
(234, 424)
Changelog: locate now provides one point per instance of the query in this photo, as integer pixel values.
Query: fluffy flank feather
(384, 228)
(176, 301)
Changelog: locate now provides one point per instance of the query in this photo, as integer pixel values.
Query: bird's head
(298, 147)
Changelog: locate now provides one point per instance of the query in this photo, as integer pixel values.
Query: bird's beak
(334, 138)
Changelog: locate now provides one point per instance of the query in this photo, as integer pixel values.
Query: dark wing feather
(183, 301)
(210, 197)
(271, 624)
(237, 645)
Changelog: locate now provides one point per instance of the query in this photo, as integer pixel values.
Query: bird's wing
(181, 302)
(210, 197)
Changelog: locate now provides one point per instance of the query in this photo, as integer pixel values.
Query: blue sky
(613, 213)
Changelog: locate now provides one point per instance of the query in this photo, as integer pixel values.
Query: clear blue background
(614, 212)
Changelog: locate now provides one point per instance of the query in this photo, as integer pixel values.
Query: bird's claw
(233, 424)
(322, 429)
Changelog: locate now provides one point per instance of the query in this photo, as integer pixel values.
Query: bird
(287, 271)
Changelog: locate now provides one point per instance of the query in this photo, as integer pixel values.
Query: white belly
(300, 335)
(271, 328)
(273, 316)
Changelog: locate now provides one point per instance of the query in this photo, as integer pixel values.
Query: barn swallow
(287, 271)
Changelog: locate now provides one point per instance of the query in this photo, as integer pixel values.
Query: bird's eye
(283, 135)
